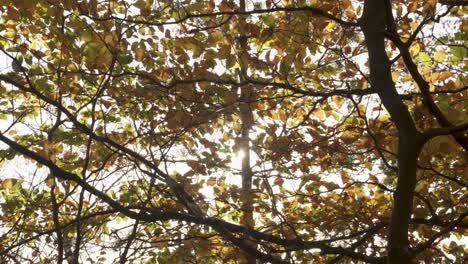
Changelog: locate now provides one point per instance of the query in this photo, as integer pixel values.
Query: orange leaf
(211, 181)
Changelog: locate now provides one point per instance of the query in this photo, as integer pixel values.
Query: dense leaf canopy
(230, 131)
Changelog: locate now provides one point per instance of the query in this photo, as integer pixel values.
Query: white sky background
(5, 66)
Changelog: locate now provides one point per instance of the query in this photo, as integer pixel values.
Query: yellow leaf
(330, 25)
(274, 115)
(344, 177)
(445, 75)
(439, 56)
(282, 115)
(214, 37)
(431, 2)
(413, 6)
(421, 186)
(109, 39)
(350, 13)
(346, 3)
(338, 100)
(211, 181)
(434, 77)
(86, 35)
(9, 183)
(414, 49)
(139, 54)
(50, 181)
(56, 191)
(407, 78)
(319, 113)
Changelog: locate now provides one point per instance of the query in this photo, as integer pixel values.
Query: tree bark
(373, 24)
(246, 119)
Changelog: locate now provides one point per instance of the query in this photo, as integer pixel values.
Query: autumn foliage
(233, 131)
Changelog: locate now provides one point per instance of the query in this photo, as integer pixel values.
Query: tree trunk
(373, 24)
(246, 119)
(398, 245)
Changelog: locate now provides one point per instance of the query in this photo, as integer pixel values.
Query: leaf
(139, 54)
(97, 55)
(269, 20)
(86, 35)
(50, 181)
(413, 6)
(445, 75)
(439, 56)
(344, 177)
(338, 100)
(459, 52)
(231, 62)
(425, 59)
(319, 113)
(432, 3)
(282, 115)
(211, 181)
(8, 183)
(279, 181)
(215, 37)
(193, 164)
(414, 49)
(372, 178)
(331, 25)
(346, 4)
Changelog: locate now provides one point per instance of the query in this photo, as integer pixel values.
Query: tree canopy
(233, 131)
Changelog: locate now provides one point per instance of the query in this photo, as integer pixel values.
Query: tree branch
(424, 88)
(420, 248)
(454, 2)
(313, 10)
(443, 131)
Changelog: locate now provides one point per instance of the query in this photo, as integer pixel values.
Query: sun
(236, 161)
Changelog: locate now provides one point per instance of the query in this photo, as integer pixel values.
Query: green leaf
(269, 20)
(425, 59)
(439, 56)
